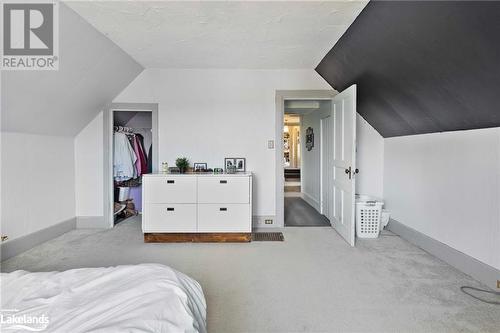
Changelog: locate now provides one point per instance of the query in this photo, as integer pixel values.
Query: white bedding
(134, 298)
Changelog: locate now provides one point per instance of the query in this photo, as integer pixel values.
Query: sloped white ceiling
(92, 71)
(223, 34)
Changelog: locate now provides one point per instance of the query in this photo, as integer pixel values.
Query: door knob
(350, 172)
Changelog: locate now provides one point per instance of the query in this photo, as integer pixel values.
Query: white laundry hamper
(368, 214)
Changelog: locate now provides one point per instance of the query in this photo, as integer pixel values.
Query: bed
(129, 298)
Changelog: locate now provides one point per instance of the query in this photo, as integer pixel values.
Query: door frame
(321, 169)
(281, 96)
(108, 190)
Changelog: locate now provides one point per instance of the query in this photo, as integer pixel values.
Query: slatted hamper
(368, 213)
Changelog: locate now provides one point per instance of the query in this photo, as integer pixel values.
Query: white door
(341, 181)
(326, 163)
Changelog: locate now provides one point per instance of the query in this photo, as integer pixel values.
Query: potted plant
(182, 163)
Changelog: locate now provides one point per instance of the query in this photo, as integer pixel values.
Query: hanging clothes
(144, 162)
(147, 136)
(124, 158)
(131, 138)
(150, 159)
(140, 163)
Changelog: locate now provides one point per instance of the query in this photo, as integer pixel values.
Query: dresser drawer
(224, 218)
(170, 189)
(170, 218)
(223, 190)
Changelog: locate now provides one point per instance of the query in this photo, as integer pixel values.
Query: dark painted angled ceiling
(421, 66)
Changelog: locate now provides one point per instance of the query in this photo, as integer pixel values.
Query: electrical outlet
(270, 144)
(268, 221)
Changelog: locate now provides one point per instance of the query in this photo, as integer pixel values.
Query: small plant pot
(182, 163)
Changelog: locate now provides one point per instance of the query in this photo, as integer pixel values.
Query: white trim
(310, 200)
(461, 261)
(19, 245)
(302, 150)
(321, 158)
(281, 96)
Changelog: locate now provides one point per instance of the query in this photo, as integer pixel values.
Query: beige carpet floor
(311, 282)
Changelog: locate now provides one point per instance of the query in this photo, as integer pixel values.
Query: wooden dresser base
(225, 237)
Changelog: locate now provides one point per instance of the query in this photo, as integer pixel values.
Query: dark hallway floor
(299, 213)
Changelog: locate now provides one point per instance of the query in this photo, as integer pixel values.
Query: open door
(340, 164)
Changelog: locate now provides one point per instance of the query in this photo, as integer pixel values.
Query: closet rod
(130, 129)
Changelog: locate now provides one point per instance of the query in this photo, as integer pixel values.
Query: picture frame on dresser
(236, 163)
(199, 167)
(229, 162)
(240, 163)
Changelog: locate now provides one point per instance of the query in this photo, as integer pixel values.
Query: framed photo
(173, 170)
(200, 167)
(235, 164)
(309, 138)
(241, 164)
(229, 163)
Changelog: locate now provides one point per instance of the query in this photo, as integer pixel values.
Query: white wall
(447, 186)
(38, 188)
(370, 159)
(89, 169)
(310, 167)
(207, 115)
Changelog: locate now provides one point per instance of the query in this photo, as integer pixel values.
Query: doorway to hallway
(292, 154)
(301, 162)
(299, 213)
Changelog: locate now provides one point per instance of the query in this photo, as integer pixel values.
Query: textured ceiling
(421, 66)
(222, 34)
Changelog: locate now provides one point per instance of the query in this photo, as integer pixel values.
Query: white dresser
(197, 207)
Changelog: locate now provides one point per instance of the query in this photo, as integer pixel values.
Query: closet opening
(132, 156)
(122, 179)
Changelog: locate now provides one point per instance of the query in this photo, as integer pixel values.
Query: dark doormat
(268, 236)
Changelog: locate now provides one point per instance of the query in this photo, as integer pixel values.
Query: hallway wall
(310, 171)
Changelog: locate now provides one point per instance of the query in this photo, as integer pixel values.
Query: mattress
(129, 298)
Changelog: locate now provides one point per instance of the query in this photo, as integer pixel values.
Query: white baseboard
(16, 246)
(461, 261)
(310, 200)
(92, 222)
